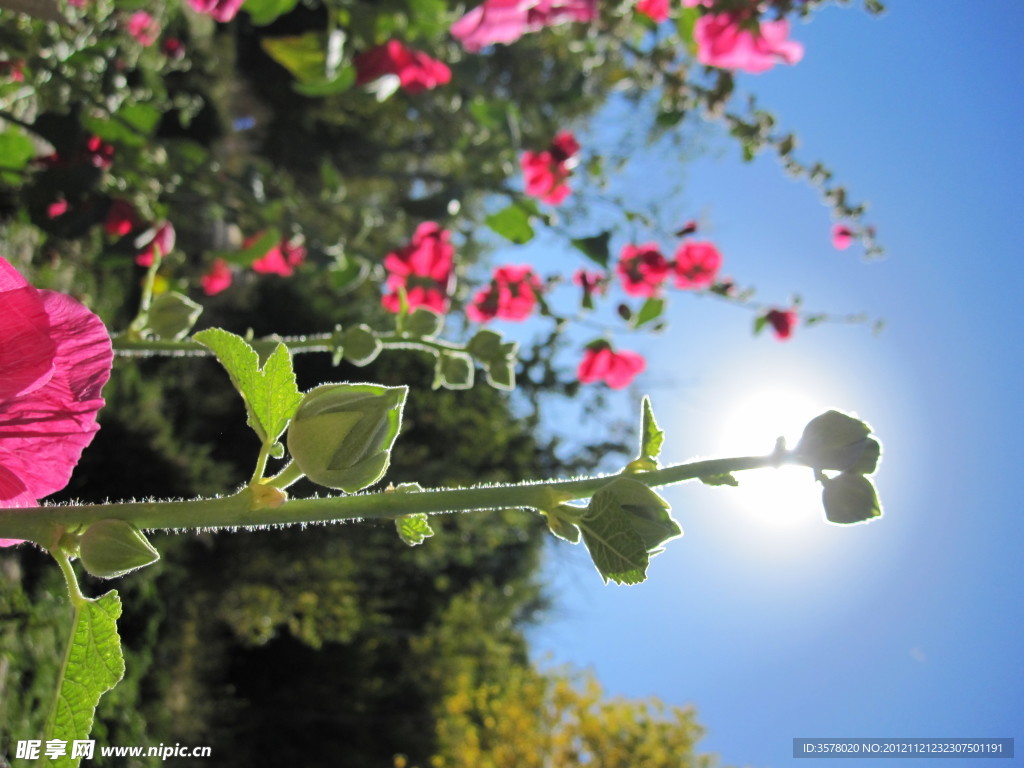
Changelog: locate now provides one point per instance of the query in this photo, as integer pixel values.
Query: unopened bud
(834, 440)
(424, 322)
(850, 498)
(341, 434)
(112, 548)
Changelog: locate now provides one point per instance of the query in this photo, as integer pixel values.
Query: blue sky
(909, 626)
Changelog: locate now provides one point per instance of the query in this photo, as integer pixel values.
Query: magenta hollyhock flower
(416, 71)
(143, 27)
(616, 369)
(656, 10)
(505, 21)
(592, 283)
(173, 49)
(99, 152)
(724, 41)
(642, 269)
(12, 70)
(782, 321)
(545, 173)
(220, 10)
(512, 295)
(120, 219)
(281, 259)
(696, 265)
(842, 236)
(424, 268)
(57, 208)
(217, 279)
(162, 239)
(55, 357)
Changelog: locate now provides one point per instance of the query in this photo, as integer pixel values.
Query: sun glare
(787, 496)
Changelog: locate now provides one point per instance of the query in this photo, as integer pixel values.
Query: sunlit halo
(786, 496)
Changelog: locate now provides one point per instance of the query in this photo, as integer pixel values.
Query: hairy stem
(240, 509)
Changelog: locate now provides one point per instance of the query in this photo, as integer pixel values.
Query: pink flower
(162, 240)
(12, 70)
(592, 283)
(220, 10)
(173, 49)
(642, 269)
(424, 268)
(504, 21)
(416, 71)
(656, 10)
(279, 260)
(120, 219)
(696, 265)
(724, 41)
(217, 279)
(512, 295)
(842, 236)
(143, 28)
(616, 369)
(782, 321)
(99, 152)
(545, 173)
(56, 359)
(56, 209)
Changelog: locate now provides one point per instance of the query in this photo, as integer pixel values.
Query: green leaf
(686, 19)
(595, 248)
(132, 125)
(651, 310)
(648, 513)
(263, 12)
(315, 59)
(92, 666)
(512, 223)
(651, 435)
(616, 548)
(271, 395)
(725, 478)
(16, 150)
(172, 315)
(562, 528)
(414, 529)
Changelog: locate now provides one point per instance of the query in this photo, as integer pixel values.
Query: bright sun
(786, 496)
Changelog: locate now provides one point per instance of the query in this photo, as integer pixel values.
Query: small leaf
(172, 315)
(648, 512)
(512, 223)
(414, 529)
(651, 310)
(616, 548)
(651, 435)
(132, 125)
(93, 665)
(16, 149)
(595, 248)
(561, 527)
(725, 478)
(271, 395)
(263, 12)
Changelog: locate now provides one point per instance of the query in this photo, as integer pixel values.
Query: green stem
(77, 601)
(127, 344)
(239, 510)
(288, 476)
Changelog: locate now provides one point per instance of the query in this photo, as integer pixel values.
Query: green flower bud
(837, 441)
(360, 345)
(341, 434)
(112, 548)
(424, 322)
(849, 498)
